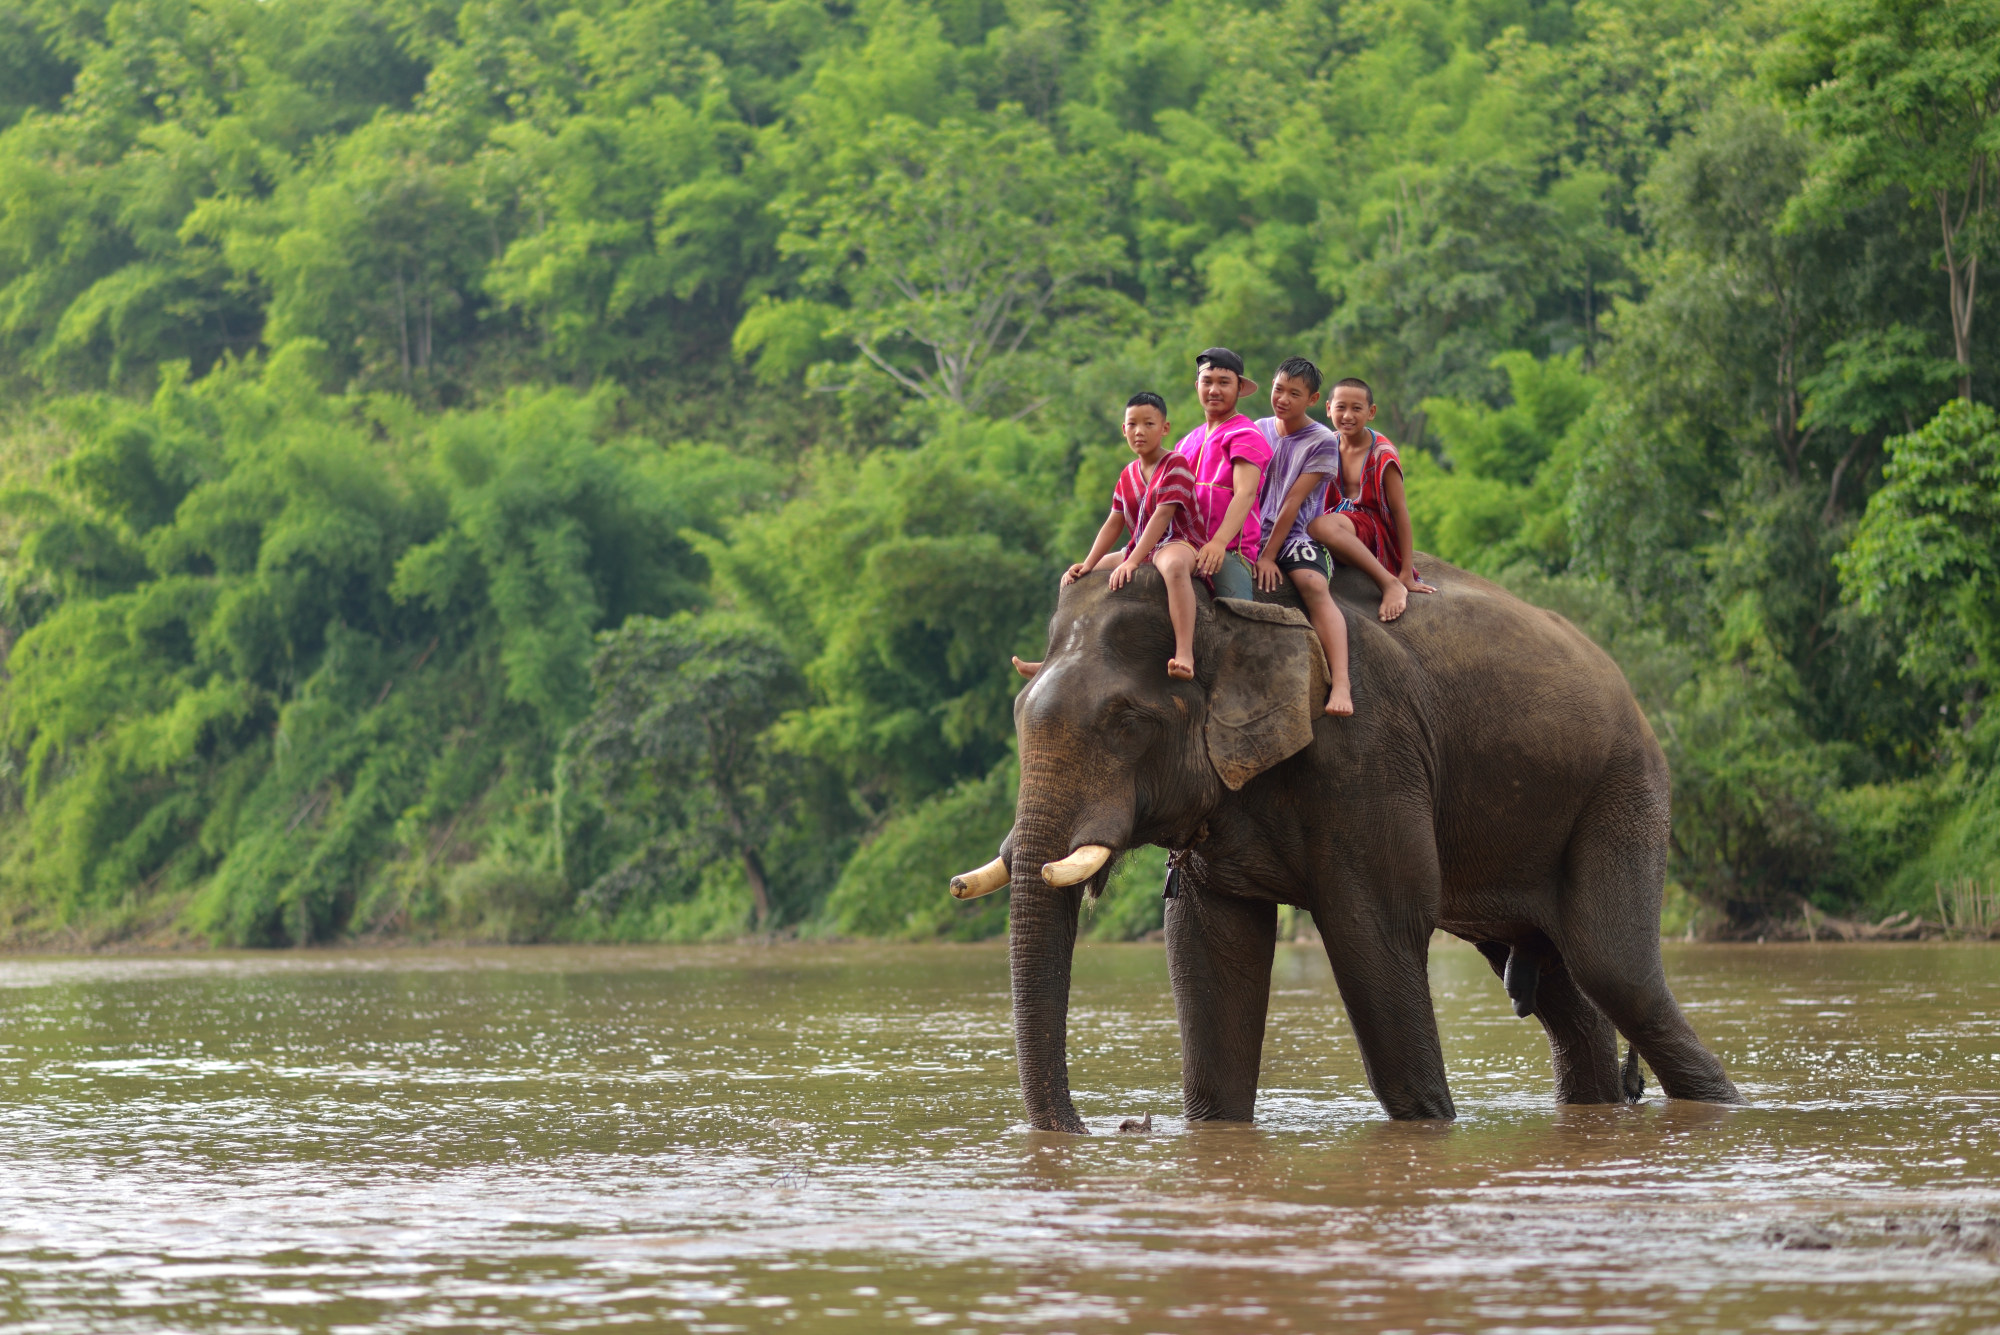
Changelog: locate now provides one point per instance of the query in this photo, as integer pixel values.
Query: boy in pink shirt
(1228, 453)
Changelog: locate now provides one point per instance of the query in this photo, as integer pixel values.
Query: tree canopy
(580, 469)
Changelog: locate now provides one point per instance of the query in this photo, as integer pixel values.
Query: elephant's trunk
(1041, 932)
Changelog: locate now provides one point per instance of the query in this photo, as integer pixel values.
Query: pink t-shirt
(1214, 451)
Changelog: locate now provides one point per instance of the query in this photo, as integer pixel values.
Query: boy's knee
(1307, 580)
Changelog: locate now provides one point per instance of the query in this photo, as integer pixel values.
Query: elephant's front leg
(1377, 927)
(1219, 952)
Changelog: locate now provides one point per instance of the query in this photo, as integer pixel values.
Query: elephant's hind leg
(1638, 1001)
(1583, 1045)
(1610, 942)
(1219, 952)
(1582, 1042)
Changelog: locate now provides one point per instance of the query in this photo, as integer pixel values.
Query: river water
(829, 1138)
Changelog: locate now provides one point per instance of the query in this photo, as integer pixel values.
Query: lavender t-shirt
(1316, 449)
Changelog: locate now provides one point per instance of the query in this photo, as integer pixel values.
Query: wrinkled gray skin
(1496, 780)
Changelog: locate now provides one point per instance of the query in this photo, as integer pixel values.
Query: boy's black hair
(1146, 398)
(1356, 382)
(1298, 368)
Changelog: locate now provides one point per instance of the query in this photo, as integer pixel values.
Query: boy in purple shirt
(1228, 453)
(1304, 454)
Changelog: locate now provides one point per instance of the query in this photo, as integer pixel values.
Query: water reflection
(830, 1138)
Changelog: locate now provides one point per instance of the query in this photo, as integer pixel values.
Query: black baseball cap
(1221, 358)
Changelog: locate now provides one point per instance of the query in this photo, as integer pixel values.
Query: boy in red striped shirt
(1155, 504)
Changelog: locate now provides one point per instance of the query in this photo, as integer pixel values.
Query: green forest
(577, 469)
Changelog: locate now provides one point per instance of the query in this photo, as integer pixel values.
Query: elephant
(1496, 780)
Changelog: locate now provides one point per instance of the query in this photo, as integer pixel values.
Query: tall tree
(682, 705)
(1927, 556)
(953, 251)
(1907, 95)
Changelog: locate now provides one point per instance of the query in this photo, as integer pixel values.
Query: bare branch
(889, 368)
(1832, 506)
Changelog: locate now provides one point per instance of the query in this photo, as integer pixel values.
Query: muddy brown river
(829, 1138)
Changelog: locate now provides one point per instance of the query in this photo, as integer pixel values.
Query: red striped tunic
(1137, 498)
(1369, 511)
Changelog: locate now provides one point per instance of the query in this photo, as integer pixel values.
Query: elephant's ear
(1270, 680)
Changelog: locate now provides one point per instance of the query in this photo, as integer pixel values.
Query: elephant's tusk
(973, 884)
(1078, 866)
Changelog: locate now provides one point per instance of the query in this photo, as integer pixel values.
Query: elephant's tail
(1631, 1079)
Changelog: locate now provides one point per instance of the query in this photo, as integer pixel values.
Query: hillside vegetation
(577, 470)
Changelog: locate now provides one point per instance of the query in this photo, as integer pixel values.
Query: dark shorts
(1305, 554)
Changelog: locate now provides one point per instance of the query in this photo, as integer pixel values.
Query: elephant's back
(1524, 716)
(1472, 629)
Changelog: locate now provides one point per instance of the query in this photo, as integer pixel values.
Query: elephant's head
(1114, 754)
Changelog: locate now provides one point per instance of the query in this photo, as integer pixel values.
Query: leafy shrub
(497, 900)
(897, 883)
(1130, 906)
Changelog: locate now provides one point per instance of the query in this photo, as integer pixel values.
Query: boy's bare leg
(1331, 627)
(1026, 669)
(1335, 532)
(1175, 562)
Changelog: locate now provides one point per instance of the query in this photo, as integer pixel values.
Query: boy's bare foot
(1026, 669)
(1341, 702)
(1181, 669)
(1394, 599)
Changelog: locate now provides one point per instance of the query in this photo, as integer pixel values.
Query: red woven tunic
(1137, 499)
(1369, 511)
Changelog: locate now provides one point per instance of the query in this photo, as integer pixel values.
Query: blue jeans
(1234, 579)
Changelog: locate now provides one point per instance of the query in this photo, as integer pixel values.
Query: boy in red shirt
(1367, 521)
(1153, 501)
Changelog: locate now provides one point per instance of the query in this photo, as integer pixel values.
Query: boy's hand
(1072, 575)
(1268, 574)
(1415, 585)
(1122, 574)
(1209, 559)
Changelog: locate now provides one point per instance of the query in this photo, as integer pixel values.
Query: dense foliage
(579, 470)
